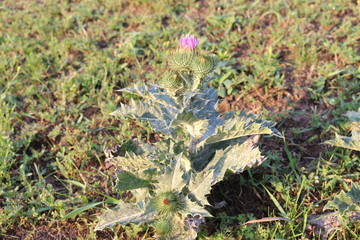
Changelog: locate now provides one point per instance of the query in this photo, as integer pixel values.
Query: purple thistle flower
(188, 42)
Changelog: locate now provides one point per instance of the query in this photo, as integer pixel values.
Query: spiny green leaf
(191, 126)
(354, 193)
(143, 148)
(159, 118)
(341, 202)
(162, 110)
(126, 213)
(175, 176)
(203, 105)
(235, 158)
(138, 171)
(203, 156)
(141, 194)
(128, 181)
(352, 142)
(200, 186)
(131, 161)
(241, 126)
(346, 202)
(195, 209)
(153, 94)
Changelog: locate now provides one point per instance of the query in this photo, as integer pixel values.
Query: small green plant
(352, 142)
(171, 178)
(346, 212)
(346, 203)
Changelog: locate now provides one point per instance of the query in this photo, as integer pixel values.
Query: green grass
(62, 62)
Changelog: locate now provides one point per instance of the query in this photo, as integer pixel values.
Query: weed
(61, 65)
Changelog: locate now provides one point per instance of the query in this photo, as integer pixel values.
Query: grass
(61, 65)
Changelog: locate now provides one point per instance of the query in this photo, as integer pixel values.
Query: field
(295, 62)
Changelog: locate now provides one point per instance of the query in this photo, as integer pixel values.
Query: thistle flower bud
(169, 203)
(181, 60)
(171, 81)
(164, 227)
(204, 64)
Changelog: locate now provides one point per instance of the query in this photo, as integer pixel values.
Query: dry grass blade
(267, 219)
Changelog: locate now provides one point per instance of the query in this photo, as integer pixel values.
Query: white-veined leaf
(234, 158)
(240, 126)
(126, 213)
(200, 186)
(132, 161)
(195, 209)
(175, 176)
(191, 126)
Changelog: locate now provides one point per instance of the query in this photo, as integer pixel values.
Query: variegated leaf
(240, 126)
(352, 142)
(175, 176)
(126, 213)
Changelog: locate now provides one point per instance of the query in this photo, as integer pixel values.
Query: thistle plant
(171, 178)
